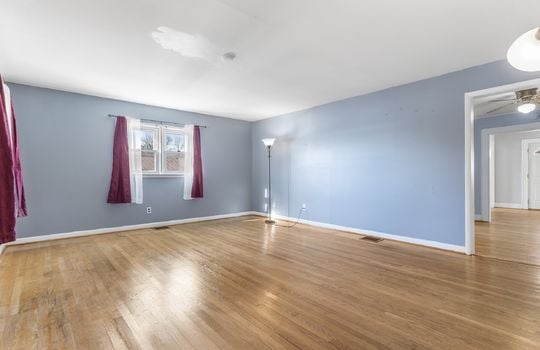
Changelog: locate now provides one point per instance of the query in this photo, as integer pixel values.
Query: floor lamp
(268, 143)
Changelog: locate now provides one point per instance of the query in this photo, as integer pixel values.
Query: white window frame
(171, 130)
(155, 130)
(159, 148)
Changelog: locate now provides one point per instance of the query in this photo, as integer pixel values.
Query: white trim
(99, 231)
(154, 129)
(469, 174)
(508, 205)
(478, 217)
(491, 166)
(487, 141)
(159, 131)
(163, 175)
(176, 131)
(423, 242)
(469, 152)
(74, 234)
(525, 170)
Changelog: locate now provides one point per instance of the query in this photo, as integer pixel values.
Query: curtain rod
(157, 121)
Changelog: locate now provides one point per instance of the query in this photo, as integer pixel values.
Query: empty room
(249, 174)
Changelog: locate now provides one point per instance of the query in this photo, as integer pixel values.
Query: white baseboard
(478, 217)
(423, 242)
(427, 243)
(508, 205)
(98, 231)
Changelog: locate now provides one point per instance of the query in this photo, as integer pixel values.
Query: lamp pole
(268, 143)
(269, 220)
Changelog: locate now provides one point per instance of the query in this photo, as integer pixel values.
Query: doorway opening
(503, 175)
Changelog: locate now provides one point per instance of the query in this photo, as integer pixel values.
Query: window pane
(149, 161)
(174, 142)
(174, 161)
(148, 140)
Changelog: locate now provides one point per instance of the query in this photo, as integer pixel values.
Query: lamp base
(270, 222)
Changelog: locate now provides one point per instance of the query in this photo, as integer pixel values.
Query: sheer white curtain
(135, 160)
(188, 161)
(7, 96)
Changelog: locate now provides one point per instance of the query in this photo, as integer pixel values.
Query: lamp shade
(524, 54)
(526, 108)
(268, 142)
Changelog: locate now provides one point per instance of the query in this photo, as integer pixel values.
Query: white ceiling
(291, 54)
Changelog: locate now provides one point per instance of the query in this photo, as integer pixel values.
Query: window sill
(151, 176)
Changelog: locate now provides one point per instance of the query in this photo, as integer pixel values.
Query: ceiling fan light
(524, 53)
(526, 108)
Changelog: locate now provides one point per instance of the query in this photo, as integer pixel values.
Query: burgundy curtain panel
(12, 197)
(17, 170)
(120, 188)
(197, 188)
(7, 181)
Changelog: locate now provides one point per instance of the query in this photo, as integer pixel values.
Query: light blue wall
(66, 145)
(489, 123)
(391, 161)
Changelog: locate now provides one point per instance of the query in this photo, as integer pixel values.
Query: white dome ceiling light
(524, 53)
(526, 108)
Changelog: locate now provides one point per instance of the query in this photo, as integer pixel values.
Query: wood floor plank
(240, 284)
(513, 235)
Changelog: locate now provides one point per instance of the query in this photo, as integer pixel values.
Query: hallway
(513, 235)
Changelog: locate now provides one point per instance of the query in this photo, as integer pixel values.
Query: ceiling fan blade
(501, 107)
(503, 100)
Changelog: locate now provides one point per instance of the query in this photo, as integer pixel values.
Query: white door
(534, 176)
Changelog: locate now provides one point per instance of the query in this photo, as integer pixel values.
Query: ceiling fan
(525, 99)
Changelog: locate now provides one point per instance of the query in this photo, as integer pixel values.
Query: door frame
(525, 170)
(491, 167)
(469, 152)
(487, 167)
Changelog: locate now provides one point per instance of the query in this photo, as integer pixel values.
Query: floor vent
(161, 228)
(372, 239)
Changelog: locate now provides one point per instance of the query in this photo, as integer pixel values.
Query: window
(150, 149)
(162, 149)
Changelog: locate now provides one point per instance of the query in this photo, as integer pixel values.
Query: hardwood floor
(238, 284)
(513, 234)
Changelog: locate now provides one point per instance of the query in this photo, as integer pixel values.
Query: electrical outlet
(304, 206)
(148, 210)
